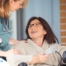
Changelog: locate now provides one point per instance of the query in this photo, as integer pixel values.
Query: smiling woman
(40, 38)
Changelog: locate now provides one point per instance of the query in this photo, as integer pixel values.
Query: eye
(20, 4)
(31, 25)
(36, 24)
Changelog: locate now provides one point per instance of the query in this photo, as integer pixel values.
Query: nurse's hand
(12, 51)
(14, 42)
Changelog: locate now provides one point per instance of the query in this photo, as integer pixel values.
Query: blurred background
(53, 11)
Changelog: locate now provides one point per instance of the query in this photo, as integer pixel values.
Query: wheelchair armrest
(23, 64)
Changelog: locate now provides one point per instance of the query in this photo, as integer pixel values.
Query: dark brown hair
(50, 36)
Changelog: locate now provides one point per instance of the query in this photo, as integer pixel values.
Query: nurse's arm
(14, 41)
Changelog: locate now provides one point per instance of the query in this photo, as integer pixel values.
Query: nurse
(5, 7)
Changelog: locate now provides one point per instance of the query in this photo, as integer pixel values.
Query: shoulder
(1, 19)
(60, 48)
(21, 45)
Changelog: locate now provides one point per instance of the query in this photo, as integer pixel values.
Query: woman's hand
(39, 58)
(42, 58)
(12, 51)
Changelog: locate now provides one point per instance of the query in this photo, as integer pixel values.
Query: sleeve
(62, 51)
(15, 59)
(64, 56)
(21, 47)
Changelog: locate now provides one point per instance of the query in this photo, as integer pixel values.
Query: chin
(12, 10)
(34, 37)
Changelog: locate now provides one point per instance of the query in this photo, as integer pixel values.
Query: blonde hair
(4, 7)
(25, 3)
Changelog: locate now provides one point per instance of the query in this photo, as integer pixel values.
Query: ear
(10, 1)
(45, 32)
(25, 3)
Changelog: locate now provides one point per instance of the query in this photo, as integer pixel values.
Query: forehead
(34, 21)
(22, 0)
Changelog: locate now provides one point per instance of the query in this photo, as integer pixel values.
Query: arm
(2, 53)
(14, 41)
(62, 51)
(64, 57)
(29, 59)
(11, 51)
(39, 58)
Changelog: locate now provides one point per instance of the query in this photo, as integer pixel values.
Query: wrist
(2, 53)
(5, 54)
(34, 60)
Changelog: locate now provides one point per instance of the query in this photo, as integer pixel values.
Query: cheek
(41, 31)
(16, 6)
(29, 32)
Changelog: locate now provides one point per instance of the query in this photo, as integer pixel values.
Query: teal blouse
(4, 35)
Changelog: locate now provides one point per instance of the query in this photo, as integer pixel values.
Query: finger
(17, 51)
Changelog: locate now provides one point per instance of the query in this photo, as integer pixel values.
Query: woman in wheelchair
(39, 38)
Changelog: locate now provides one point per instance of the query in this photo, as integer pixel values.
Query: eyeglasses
(36, 25)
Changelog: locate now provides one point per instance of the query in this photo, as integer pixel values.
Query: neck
(38, 41)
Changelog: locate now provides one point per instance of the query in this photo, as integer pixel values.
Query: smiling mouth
(33, 32)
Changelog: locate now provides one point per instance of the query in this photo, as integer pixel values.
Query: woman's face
(15, 5)
(36, 30)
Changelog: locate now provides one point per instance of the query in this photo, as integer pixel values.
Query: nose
(33, 27)
(20, 6)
